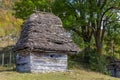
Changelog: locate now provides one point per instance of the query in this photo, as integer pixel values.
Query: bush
(95, 62)
(98, 62)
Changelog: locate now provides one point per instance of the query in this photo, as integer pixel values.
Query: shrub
(98, 62)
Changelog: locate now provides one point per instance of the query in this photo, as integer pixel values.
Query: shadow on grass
(77, 62)
(96, 62)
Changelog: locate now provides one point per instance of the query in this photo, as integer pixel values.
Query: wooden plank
(50, 55)
(20, 62)
(55, 64)
(48, 62)
(23, 68)
(49, 70)
(23, 63)
(21, 59)
(10, 58)
(2, 59)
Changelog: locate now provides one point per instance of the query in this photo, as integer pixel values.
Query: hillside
(78, 74)
(10, 28)
(9, 25)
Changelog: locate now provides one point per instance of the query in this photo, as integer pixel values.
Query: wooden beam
(2, 59)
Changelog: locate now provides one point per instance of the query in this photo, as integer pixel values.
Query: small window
(51, 56)
(55, 55)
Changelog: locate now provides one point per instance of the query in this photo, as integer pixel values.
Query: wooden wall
(23, 63)
(114, 69)
(41, 62)
(49, 62)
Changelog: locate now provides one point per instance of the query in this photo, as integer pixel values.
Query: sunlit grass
(76, 74)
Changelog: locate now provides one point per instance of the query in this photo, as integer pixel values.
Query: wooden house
(43, 45)
(114, 68)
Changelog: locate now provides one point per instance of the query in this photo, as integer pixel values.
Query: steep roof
(44, 31)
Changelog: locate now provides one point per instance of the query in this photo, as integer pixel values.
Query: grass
(76, 74)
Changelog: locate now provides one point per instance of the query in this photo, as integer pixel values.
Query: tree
(9, 25)
(91, 17)
(84, 17)
(112, 40)
(106, 13)
(24, 8)
(75, 19)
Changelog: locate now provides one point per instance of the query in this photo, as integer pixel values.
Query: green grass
(78, 74)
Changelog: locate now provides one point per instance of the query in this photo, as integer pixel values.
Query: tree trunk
(99, 49)
(98, 42)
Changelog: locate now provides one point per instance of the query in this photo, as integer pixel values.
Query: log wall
(50, 62)
(41, 62)
(23, 63)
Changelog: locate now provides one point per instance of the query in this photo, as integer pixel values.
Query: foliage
(88, 18)
(112, 40)
(78, 40)
(9, 25)
(9, 29)
(24, 8)
(98, 62)
(85, 18)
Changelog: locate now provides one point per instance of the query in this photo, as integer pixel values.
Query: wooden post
(13, 61)
(2, 59)
(10, 58)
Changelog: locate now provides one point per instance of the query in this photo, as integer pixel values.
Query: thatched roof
(44, 31)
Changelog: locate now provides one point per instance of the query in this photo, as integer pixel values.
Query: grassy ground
(71, 75)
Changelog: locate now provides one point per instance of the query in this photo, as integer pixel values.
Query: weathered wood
(10, 61)
(48, 62)
(23, 63)
(118, 74)
(114, 68)
(41, 62)
(2, 59)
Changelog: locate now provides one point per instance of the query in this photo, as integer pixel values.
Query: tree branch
(76, 31)
(104, 3)
(108, 10)
(111, 22)
(99, 1)
(103, 32)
